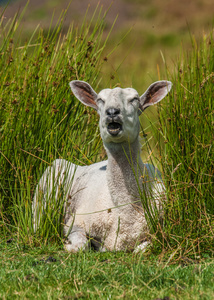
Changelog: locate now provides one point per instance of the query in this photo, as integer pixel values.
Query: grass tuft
(186, 126)
(40, 119)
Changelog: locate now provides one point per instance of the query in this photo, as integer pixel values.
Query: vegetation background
(157, 26)
(168, 39)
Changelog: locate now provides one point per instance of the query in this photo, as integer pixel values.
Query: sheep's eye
(134, 99)
(99, 100)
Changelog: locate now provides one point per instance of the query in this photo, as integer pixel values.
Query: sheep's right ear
(84, 93)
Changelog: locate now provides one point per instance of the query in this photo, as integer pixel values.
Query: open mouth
(114, 128)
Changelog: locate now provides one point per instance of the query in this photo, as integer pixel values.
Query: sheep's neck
(124, 166)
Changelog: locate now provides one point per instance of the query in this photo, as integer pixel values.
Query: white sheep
(104, 200)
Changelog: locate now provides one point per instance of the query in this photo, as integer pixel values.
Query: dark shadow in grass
(50, 259)
(164, 298)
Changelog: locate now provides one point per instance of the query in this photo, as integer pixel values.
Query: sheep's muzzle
(114, 128)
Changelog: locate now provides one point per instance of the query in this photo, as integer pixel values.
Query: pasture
(50, 273)
(41, 120)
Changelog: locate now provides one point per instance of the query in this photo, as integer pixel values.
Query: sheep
(104, 200)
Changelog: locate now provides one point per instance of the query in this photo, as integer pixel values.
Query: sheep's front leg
(76, 240)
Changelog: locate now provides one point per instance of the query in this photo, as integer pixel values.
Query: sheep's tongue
(114, 128)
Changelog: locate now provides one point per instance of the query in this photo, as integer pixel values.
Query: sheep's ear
(84, 93)
(155, 93)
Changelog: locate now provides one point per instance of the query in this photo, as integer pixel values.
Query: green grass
(186, 126)
(40, 118)
(49, 273)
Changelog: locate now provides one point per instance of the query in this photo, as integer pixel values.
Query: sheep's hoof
(74, 248)
(71, 248)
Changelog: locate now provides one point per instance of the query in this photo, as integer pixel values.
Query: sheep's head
(119, 109)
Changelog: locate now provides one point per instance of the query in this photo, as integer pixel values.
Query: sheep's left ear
(84, 93)
(155, 93)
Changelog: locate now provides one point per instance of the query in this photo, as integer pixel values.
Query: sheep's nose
(112, 112)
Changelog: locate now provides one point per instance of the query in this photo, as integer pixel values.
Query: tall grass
(186, 125)
(40, 119)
